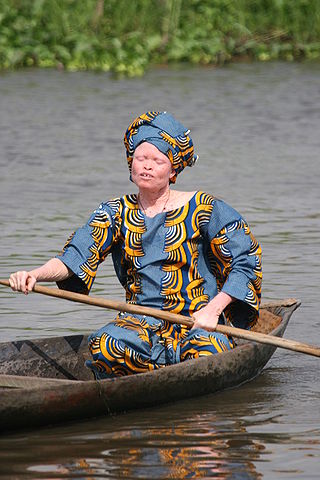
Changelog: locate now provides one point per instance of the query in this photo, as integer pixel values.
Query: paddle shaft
(175, 318)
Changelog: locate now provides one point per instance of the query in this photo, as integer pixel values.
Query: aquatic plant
(126, 36)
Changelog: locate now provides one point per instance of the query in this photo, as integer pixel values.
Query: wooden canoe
(44, 381)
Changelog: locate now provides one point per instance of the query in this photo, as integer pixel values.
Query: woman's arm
(52, 271)
(235, 259)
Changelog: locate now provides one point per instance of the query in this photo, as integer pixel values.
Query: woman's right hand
(22, 282)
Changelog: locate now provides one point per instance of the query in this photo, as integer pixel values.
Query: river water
(256, 129)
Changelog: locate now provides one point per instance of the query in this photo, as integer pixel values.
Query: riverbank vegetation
(125, 36)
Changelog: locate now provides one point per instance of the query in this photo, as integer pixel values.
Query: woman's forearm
(219, 303)
(52, 271)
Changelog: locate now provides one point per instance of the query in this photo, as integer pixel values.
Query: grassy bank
(125, 36)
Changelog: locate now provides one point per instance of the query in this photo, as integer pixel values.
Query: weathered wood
(270, 340)
(15, 381)
(63, 357)
(175, 318)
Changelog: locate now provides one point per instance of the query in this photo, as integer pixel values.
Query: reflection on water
(228, 435)
(200, 445)
(256, 129)
(233, 434)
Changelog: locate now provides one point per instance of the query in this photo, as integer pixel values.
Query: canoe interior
(63, 357)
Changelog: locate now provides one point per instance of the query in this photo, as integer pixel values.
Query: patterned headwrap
(165, 133)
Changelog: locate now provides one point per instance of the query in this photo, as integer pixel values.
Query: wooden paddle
(175, 318)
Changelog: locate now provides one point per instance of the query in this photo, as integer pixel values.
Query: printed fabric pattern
(132, 345)
(198, 250)
(176, 261)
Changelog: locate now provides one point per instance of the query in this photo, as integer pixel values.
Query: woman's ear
(172, 174)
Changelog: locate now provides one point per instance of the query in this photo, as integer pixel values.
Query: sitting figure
(183, 252)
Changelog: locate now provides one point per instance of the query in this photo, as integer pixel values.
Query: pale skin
(151, 172)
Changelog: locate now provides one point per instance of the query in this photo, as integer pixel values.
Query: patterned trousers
(136, 344)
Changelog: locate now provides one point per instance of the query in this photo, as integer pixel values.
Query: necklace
(143, 208)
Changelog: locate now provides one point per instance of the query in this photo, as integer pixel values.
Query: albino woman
(183, 252)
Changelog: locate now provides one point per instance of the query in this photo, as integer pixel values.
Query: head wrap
(164, 132)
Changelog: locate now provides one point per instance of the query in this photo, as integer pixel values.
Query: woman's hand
(22, 281)
(207, 318)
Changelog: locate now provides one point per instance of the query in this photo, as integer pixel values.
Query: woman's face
(151, 169)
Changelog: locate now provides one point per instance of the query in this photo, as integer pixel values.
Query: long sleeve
(87, 248)
(235, 262)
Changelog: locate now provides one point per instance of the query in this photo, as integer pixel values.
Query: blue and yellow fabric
(176, 261)
(164, 132)
(135, 344)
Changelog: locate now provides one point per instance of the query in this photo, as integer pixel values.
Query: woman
(184, 252)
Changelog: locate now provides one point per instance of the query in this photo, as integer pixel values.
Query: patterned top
(177, 261)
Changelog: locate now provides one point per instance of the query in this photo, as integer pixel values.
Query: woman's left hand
(207, 318)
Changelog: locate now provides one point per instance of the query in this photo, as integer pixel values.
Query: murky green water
(256, 129)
